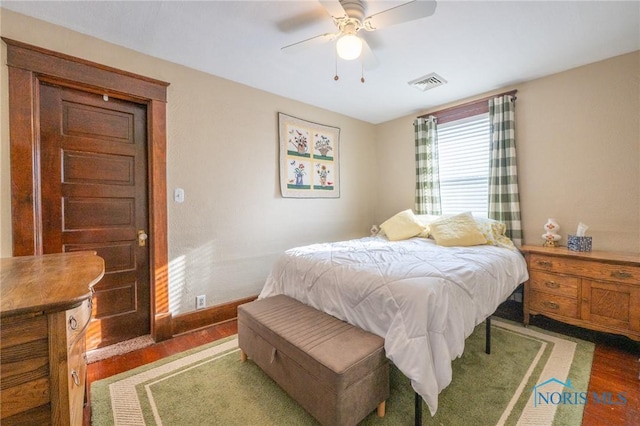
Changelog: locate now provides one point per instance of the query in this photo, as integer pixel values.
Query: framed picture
(309, 159)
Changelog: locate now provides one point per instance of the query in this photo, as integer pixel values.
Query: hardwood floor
(615, 364)
(615, 368)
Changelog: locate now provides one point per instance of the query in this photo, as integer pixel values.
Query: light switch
(178, 195)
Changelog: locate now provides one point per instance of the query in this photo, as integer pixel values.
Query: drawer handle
(545, 263)
(73, 323)
(76, 377)
(551, 305)
(621, 274)
(552, 284)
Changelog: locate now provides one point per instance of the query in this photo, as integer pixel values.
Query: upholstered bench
(337, 372)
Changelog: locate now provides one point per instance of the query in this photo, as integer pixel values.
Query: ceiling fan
(349, 17)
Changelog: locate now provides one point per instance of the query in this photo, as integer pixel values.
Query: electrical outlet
(201, 301)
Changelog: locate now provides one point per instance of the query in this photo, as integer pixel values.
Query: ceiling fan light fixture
(349, 47)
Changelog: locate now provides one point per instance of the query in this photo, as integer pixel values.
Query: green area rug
(209, 385)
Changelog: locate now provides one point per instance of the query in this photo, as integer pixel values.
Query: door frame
(29, 65)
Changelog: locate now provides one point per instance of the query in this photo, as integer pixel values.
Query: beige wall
(223, 150)
(578, 141)
(578, 138)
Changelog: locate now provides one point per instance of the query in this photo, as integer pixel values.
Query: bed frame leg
(418, 410)
(381, 410)
(243, 355)
(488, 334)
(418, 398)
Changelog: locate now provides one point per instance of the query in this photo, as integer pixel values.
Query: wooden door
(93, 165)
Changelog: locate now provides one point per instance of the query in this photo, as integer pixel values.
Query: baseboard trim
(191, 321)
(162, 328)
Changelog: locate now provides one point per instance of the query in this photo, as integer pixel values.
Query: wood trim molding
(158, 225)
(27, 66)
(191, 321)
(84, 73)
(25, 208)
(162, 327)
(468, 109)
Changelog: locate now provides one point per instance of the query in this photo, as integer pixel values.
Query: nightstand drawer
(553, 304)
(586, 268)
(557, 284)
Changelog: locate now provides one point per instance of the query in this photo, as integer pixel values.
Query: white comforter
(423, 299)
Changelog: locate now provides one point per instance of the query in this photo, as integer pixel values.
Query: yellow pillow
(402, 226)
(458, 230)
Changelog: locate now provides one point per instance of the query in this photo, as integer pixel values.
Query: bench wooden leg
(243, 355)
(381, 409)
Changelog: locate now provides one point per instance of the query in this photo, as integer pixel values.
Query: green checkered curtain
(427, 174)
(504, 200)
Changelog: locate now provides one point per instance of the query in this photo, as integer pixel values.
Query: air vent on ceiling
(428, 81)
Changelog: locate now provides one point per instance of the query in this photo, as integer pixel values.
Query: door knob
(142, 238)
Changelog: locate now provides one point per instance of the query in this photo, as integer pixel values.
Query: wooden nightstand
(597, 290)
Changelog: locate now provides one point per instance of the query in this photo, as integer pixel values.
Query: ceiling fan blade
(333, 8)
(310, 42)
(411, 11)
(302, 20)
(369, 59)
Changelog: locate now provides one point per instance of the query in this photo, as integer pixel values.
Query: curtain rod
(465, 110)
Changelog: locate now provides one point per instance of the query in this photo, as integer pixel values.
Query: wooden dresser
(45, 309)
(597, 290)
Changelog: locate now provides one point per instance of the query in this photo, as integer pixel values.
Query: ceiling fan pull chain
(362, 69)
(336, 78)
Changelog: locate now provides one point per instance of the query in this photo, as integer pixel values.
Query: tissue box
(575, 243)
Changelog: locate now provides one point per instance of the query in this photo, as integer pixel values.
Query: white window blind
(463, 148)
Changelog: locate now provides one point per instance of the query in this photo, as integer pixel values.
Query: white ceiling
(477, 46)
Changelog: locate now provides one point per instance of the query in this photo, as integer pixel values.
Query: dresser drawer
(552, 283)
(617, 273)
(77, 321)
(586, 268)
(24, 367)
(553, 304)
(547, 263)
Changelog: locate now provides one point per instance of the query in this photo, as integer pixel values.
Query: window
(463, 148)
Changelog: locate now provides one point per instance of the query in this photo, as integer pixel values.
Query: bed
(422, 298)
